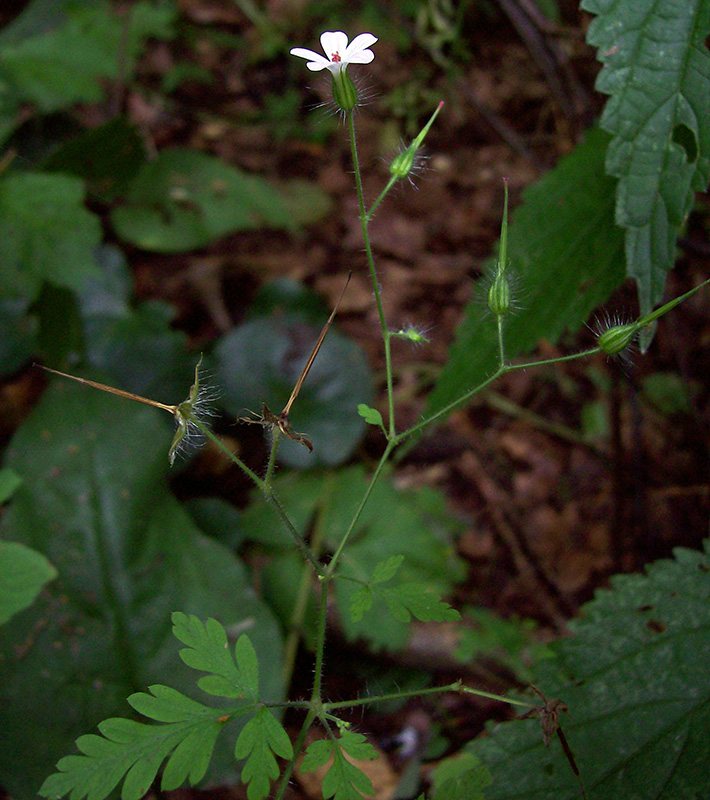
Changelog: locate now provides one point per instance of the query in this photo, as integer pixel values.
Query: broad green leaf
(262, 738)
(412, 524)
(568, 254)
(635, 677)
(208, 651)
(23, 574)
(260, 362)
(185, 199)
(657, 75)
(462, 776)
(46, 234)
(95, 502)
(137, 348)
(117, 153)
(64, 54)
(515, 643)
(137, 750)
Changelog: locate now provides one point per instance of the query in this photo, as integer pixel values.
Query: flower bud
(616, 339)
(403, 163)
(499, 295)
(344, 91)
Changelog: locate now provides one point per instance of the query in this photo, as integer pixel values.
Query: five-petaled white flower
(339, 53)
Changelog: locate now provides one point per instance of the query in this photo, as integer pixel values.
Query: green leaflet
(261, 738)
(635, 678)
(23, 573)
(657, 75)
(137, 750)
(344, 780)
(208, 651)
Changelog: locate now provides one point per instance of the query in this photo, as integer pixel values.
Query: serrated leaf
(568, 254)
(261, 738)
(386, 570)
(209, 651)
(634, 676)
(95, 501)
(657, 73)
(137, 750)
(46, 234)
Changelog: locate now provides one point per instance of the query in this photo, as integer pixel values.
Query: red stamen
(336, 57)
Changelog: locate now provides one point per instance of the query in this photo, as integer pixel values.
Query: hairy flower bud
(499, 295)
(403, 163)
(344, 91)
(616, 339)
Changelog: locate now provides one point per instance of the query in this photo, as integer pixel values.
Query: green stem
(452, 687)
(207, 431)
(390, 183)
(304, 588)
(373, 273)
(330, 569)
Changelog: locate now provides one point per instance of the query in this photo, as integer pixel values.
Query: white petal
(315, 60)
(361, 57)
(333, 42)
(358, 44)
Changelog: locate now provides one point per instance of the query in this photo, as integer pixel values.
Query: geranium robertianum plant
(184, 731)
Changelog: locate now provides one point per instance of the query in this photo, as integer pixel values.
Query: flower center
(336, 57)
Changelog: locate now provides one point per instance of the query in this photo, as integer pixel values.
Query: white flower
(339, 53)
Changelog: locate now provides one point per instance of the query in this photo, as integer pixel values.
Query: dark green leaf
(185, 199)
(23, 574)
(46, 234)
(634, 676)
(18, 334)
(260, 362)
(62, 52)
(106, 157)
(412, 524)
(95, 502)
(568, 254)
(657, 74)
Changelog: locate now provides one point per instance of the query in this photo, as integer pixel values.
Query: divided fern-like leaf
(261, 738)
(344, 780)
(404, 601)
(137, 750)
(208, 650)
(657, 75)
